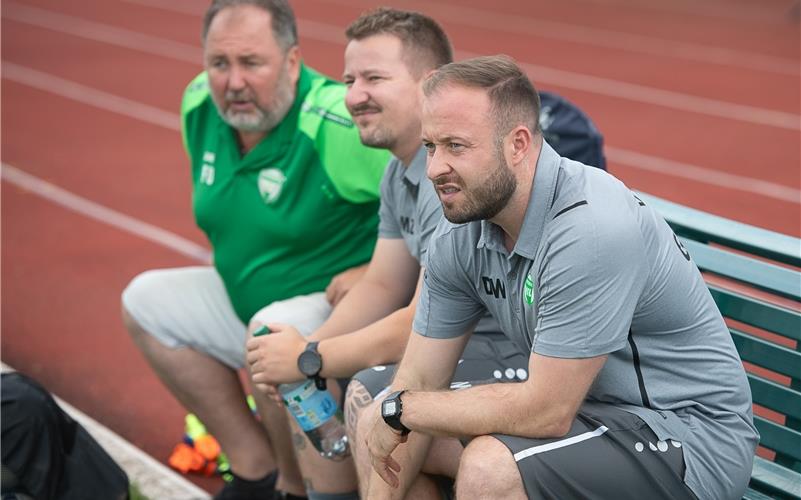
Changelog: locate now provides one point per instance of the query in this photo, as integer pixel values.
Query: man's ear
(292, 61)
(521, 143)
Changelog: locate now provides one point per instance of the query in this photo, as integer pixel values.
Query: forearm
(503, 408)
(379, 343)
(367, 302)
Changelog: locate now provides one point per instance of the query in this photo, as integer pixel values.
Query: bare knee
(357, 398)
(487, 469)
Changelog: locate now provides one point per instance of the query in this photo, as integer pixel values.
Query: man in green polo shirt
(288, 198)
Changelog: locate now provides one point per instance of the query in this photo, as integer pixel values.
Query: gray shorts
(487, 357)
(608, 453)
(189, 307)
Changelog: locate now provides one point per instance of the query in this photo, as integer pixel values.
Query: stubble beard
(484, 201)
(262, 119)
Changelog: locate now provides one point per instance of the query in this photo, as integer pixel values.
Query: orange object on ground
(185, 459)
(208, 447)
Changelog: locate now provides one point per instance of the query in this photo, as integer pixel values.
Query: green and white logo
(528, 290)
(271, 182)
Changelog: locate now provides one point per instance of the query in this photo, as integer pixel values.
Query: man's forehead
(374, 52)
(452, 105)
(241, 22)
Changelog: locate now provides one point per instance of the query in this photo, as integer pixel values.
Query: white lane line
(641, 161)
(658, 97)
(540, 74)
(625, 157)
(88, 95)
(588, 35)
(153, 478)
(103, 214)
(99, 32)
(488, 20)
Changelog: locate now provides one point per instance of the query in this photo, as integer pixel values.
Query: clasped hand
(273, 358)
(381, 442)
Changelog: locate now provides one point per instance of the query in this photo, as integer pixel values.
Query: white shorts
(189, 307)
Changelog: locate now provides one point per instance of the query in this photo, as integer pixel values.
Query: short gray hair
(513, 99)
(284, 26)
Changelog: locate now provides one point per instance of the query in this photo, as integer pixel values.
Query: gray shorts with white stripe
(608, 453)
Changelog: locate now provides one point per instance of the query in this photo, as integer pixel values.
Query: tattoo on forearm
(356, 399)
(299, 440)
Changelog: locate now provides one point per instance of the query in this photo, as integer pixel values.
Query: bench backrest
(754, 276)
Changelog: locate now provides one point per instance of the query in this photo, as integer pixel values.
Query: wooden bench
(755, 278)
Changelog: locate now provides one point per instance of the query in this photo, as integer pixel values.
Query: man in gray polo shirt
(635, 388)
(388, 55)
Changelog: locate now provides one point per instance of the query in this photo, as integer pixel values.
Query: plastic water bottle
(317, 414)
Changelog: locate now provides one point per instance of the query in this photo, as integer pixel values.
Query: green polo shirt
(297, 209)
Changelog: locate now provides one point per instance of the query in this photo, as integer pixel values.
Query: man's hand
(342, 283)
(273, 358)
(381, 442)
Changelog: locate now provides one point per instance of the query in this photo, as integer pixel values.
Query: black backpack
(48, 455)
(571, 132)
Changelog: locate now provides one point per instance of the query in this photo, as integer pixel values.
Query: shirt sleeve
(388, 225)
(429, 214)
(447, 307)
(589, 284)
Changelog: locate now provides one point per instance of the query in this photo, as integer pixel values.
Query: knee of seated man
(486, 466)
(136, 296)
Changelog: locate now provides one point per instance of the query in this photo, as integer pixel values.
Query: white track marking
(103, 214)
(153, 479)
(624, 157)
(87, 95)
(540, 74)
(586, 35)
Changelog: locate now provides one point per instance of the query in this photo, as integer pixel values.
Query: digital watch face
(309, 363)
(390, 407)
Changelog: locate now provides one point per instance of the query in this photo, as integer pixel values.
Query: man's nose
(356, 95)
(436, 165)
(236, 78)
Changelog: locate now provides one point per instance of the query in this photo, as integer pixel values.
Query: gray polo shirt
(595, 271)
(410, 209)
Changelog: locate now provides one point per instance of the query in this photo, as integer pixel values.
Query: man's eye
(455, 146)
(219, 64)
(430, 148)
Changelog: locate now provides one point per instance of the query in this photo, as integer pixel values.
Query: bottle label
(310, 406)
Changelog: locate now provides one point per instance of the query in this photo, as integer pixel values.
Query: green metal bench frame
(769, 262)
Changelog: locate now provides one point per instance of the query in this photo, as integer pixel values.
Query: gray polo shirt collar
(415, 172)
(539, 204)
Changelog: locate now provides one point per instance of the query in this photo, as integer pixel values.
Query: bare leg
(487, 470)
(274, 418)
(213, 392)
(442, 460)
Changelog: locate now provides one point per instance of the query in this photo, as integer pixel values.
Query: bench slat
(775, 396)
(779, 438)
(762, 275)
(757, 312)
(767, 354)
(702, 226)
(773, 479)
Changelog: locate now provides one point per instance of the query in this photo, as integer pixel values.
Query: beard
(483, 201)
(261, 119)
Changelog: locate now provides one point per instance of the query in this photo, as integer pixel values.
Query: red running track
(699, 104)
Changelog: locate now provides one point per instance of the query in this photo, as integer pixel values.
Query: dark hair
(284, 26)
(513, 98)
(430, 47)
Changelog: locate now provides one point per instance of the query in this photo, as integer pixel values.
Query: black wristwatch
(392, 409)
(310, 363)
